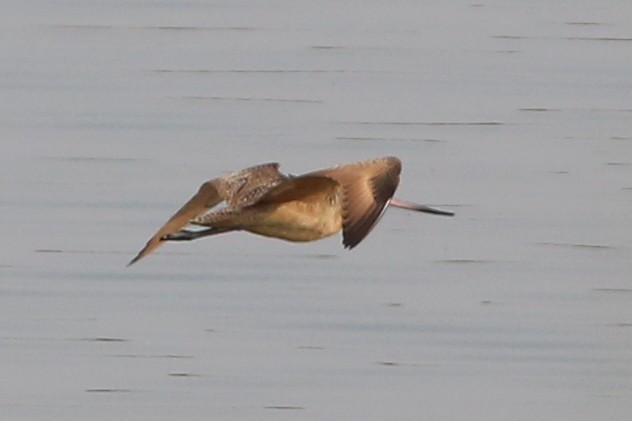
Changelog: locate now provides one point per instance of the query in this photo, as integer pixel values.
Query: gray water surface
(517, 115)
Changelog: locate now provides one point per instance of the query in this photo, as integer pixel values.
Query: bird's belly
(297, 221)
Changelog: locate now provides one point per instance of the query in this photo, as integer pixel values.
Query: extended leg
(186, 235)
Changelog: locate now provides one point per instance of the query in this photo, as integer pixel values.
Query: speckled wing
(244, 188)
(237, 189)
(367, 188)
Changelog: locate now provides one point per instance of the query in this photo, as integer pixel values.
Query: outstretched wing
(206, 198)
(237, 189)
(304, 188)
(244, 188)
(367, 187)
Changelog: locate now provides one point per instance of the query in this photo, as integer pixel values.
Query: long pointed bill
(399, 203)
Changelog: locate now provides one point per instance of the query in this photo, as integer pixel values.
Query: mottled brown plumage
(315, 205)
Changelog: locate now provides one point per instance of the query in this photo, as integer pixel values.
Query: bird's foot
(183, 235)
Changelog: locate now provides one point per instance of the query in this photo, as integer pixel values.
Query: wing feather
(238, 189)
(300, 188)
(368, 186)
(366, 189)
(244, 188)
(206, 198)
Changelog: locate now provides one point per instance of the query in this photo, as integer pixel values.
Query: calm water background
(517, 115)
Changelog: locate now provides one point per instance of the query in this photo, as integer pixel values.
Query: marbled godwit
(309, 207)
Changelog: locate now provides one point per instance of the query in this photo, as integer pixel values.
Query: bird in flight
(308, 207)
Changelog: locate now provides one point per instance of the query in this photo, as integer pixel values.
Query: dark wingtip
(151, 245)
(134, 260)
(348, 246)
(139, 256)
